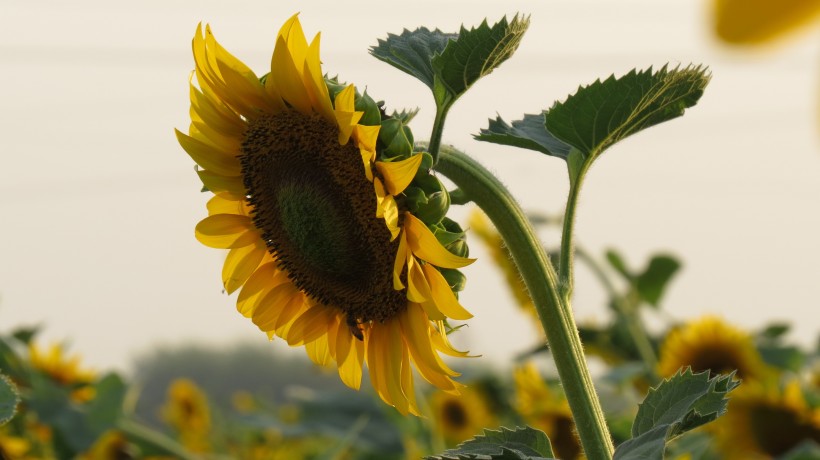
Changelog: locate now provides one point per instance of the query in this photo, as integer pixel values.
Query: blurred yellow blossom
(187, 412)
(461, 417)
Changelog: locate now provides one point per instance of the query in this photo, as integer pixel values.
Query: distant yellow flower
(13, 447)
(482, 228)
(710, 344)
(461, 417)
(110, 446)
(61, 368)
(321, 245)
(547, 411)
(187, 412)
(764, 422)
(760, 21)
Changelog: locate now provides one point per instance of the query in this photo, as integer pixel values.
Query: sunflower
(460, 417)
(188, 413)
(313, 198)
(761, 21)
(65, 370)
(111, 445)
(710, 344)
(547, 411)
(765, 422)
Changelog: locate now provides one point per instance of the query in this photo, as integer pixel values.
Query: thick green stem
(539, 276)
(438, 130)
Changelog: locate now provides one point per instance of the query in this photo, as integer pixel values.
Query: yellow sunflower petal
(267, 312)
(349, 357)
(315, 81)
(263, 280)
(398, 265)
(318, 351)
(407, 385)
(288, 79)
(398, 174)
(310, 325)
(293, 35)
(443, 295)
(424, 244)
(442, 343)
(218, 183)
(226, 231)
(415, 329)
(214, 114)
(375, 340)
(241, 263)
(225, 203)
(242, 81)
(292, 310)
(391, 361)
(345, 113)
(418, 289)
(390, 213)
(367, 136)
(209, 157)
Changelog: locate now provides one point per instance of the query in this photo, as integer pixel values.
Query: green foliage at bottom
(519, 444)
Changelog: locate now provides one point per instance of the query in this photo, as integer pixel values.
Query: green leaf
(807, 450)
(783, 356)
(601, 114)
(473, 54)
(774, 331)
(617, 261)
(528, 133)
(412, 52)
(519, 444)
(9, 398)
(679, 404)
(652, 282)
(450, 63)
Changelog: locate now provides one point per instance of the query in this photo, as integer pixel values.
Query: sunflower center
(718, 360)
(454, 414)
(777, 429)
(316, 211)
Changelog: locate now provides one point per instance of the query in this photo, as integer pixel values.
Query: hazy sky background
(98, 202)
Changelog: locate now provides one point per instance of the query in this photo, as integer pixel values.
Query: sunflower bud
(397, 138)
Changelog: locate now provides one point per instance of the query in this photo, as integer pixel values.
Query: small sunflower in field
(337, 231)
(188, 413)
(14, 447)
(546, 410)
(711, 344)
(65, 370)
(766, 421)
(112, 445)
(461, 417)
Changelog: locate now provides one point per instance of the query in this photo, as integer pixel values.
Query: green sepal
(413, 198)
(372, 110)
(426, 164)
(406, 115)
(455, 278)
(520, 444)
(396, 139)
(436, 207)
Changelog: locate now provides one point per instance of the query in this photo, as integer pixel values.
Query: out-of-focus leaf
(681, 403)
(783, 357)
(808, 450)
(774, 331)
(9, 398)
(652, 282)
(616, 260)
(520, 444)
(25, 334)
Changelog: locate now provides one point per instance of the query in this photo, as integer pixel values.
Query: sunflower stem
(577, 167)
(438, 130)
(554, 310)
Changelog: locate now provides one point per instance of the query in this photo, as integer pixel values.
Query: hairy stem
(539, 276)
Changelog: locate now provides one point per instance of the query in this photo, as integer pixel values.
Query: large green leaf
(9, 398)
(519, 444)
(527, 133)
(679, 404)
(603, 113)
(412, 52)
(450, 63)
(475, 53)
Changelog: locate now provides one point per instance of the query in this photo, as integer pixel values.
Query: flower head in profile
(765, 421)
(335, 243)
(460, 417)
(188, 413)
(710, 344)
(547, 410)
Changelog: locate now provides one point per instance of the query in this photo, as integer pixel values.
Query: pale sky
(98, 202)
